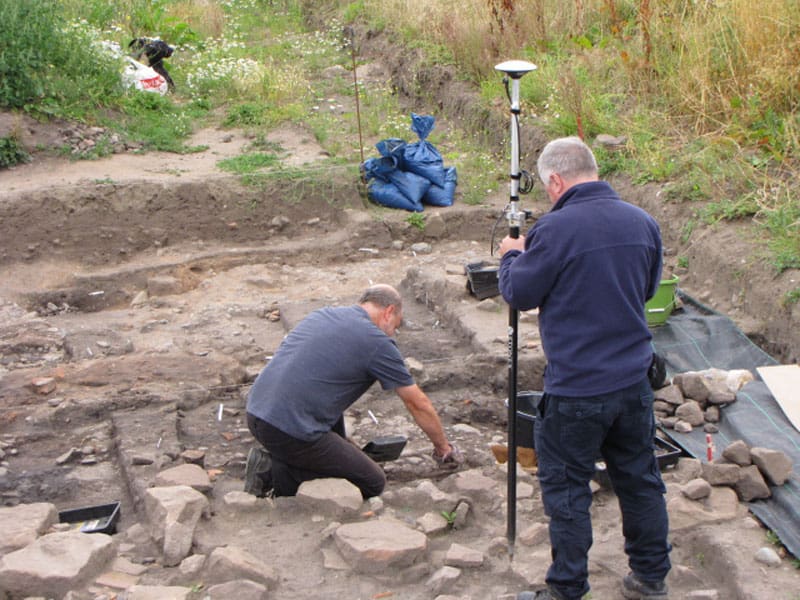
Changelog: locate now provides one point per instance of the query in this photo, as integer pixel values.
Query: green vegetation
(701, 559)
(450, 517)
(248, 163)
(11, 152)
(705, 94)
(43, 66)
(791, 297)
(416, 220)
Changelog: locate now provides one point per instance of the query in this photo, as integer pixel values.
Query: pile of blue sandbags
(410, 176)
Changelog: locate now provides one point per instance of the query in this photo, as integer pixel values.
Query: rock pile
(749, 471)
(83, 141)
(694, 398)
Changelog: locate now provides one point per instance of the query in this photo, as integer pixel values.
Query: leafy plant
(11, 152)
(416, 220)
(683, 262)
(450, 517)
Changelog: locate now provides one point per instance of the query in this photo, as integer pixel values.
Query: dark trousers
(570, 435)
(295, 461)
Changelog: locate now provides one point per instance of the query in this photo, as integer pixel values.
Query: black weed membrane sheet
(696, 338)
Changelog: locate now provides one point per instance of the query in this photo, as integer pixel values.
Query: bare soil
(152, 288)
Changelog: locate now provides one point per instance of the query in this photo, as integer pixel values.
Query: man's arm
(527, 275)
(421, 408)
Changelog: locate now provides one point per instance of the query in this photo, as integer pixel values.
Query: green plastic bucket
(660, 307)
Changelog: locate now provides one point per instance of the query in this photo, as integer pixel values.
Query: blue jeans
(570, 435)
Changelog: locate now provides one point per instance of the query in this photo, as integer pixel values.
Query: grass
(248, 163)
(707, 94)
(791, 298)
(700, 98)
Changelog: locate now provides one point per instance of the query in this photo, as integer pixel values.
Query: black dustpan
(385, 448)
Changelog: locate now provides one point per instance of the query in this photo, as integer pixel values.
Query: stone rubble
(693, 399)
(370, 538)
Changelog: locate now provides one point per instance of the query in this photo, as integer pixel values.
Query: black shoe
(634, 588)
(258, 472)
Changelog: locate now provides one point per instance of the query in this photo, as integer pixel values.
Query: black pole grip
(511, 492)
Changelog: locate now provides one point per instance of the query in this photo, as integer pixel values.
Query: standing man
(295, 408)
(589, 265)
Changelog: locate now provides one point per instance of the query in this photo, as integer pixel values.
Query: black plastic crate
(93, 519)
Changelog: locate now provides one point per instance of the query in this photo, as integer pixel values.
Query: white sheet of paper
(784, 383)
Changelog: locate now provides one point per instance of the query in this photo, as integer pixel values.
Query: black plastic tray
(482, 280)
(667, 455)
(385, 448)
(92, 519)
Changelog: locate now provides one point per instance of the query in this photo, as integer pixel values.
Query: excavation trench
(133, 324)
(152, 312)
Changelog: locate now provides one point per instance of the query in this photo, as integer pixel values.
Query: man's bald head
(382, 295)
(384, 306)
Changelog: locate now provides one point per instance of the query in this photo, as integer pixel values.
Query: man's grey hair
(381, 295)
(570, 157)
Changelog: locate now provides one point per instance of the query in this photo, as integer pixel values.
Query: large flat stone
(374, 546)
(21, 525)
(55, 563)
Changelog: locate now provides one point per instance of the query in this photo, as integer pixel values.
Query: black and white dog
(156, 51)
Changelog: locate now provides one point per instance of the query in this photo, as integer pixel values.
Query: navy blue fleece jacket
(589, 265)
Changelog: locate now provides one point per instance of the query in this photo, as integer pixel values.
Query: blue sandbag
(422, 157)
(384, 169)
(387, 194)
(412, 186)
(442, 196)
(380, 168)
(393, 147)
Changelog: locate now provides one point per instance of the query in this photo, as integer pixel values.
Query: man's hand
(452, 456)
(509, 243)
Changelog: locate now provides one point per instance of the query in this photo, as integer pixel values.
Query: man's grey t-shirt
(324, 365)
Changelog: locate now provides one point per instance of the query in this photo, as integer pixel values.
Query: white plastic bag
(143, 78)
